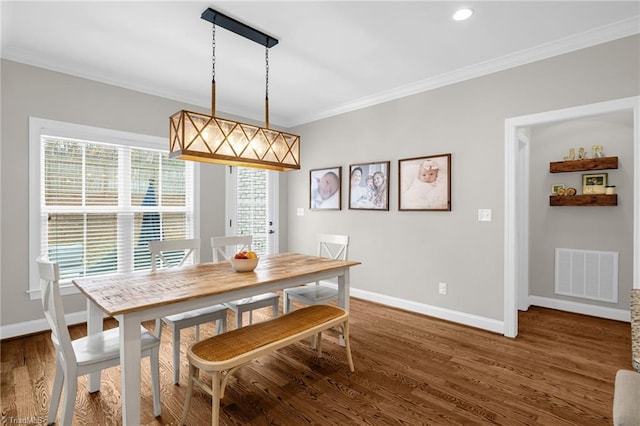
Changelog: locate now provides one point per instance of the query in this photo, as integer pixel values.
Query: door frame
(516, 216)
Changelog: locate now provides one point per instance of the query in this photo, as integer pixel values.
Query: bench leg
(345, 330)
(215, 397)
(187, 402)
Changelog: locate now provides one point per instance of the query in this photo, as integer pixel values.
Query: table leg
(344, 292)
(94, 326)
(130, 348)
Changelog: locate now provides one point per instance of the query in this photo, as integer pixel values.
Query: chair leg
(319, 344)
(251, 317)
(286, 303)
(239, 318)
(197, 334)
(56, 391)
(187, 402)
(215, 398)
(176, 355)
(154, 363)
(275, 308)
(221, 324)
(71, 390)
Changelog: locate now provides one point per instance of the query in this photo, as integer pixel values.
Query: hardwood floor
(410, 370)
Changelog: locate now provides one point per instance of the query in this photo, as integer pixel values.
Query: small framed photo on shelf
(556, 186)
(324, 188)
(594, 183)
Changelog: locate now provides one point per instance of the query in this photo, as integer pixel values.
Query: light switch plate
(300, 211)
(484, 215)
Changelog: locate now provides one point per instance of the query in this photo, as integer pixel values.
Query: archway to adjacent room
(516, 222)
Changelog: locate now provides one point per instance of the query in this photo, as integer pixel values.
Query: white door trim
(516, 216)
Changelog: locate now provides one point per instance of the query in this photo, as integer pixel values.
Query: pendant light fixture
(207, 138)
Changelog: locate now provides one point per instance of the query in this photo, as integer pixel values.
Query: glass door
(252, 202)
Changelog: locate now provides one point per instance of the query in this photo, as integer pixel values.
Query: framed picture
(425, 183)
(594, 183)
(556, 186)
(324, 189)
(369, 186)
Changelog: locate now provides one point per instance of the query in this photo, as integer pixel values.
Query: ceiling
(333, 56)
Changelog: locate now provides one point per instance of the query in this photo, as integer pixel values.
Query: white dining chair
(174, 253)
(331, 246)
(93, 353)
(225, 247)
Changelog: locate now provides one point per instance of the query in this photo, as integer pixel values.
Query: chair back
(53, 310)
(221, 245)
(160, 249)
(333, 246)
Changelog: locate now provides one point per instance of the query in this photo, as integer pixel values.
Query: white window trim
(39, 127)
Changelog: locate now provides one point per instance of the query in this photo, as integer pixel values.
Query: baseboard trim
(581, 308)
(37, 326)
(492, 325)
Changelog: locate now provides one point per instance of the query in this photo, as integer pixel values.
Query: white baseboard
(492, 325)
(476, 321)
(581, 308)
(36, 326)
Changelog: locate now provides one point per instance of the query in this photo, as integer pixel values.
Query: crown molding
(615, 31)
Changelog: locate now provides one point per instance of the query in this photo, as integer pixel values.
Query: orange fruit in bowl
(251, 255)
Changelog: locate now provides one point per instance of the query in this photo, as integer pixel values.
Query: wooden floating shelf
(584, 165)
(584, 200)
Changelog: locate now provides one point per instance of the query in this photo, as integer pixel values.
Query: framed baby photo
(325, 189)
(594, 183)
(369, 186)
(425, 183)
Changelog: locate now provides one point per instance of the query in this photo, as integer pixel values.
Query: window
(101, 196)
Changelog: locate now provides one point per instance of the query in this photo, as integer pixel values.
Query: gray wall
(403, 254)
(584, 228)
(406, 254)
(34, 92)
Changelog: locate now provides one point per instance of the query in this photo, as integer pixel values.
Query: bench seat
(222, 354)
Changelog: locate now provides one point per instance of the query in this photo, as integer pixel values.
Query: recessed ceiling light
(462, 14)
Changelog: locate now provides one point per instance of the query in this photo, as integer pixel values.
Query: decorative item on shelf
(571, 156)
(610, 189)
(207, 138)
(571, 191)
(582, 154)
(597, 151)
(556, 187)
(560, 191)
(594, 183)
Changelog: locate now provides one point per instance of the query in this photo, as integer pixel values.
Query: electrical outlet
(442, 288)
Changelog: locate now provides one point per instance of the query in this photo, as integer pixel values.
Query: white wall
(405, 255)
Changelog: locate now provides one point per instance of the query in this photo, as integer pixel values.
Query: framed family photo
(425, 183)
(369, 186)
(594, 183)
(324, 189)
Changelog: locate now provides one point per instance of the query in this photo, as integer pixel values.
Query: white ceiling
(333, 56)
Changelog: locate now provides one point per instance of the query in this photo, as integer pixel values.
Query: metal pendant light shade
(207, 138)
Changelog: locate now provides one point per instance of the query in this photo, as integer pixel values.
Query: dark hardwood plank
(410, 369)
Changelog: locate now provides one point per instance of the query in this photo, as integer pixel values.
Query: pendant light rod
(217, 18)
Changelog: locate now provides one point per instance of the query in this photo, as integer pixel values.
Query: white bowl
(244, 265)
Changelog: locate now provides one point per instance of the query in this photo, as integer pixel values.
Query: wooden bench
(222, 354)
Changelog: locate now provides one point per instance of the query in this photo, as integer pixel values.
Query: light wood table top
(126, 293)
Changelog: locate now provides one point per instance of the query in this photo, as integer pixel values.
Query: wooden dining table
(141, 296)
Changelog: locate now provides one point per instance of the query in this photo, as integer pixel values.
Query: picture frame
(556, 186)
(424, 183)
(594, 183)
(325, 188)
(369, 186)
